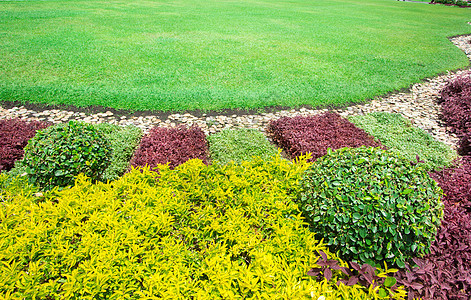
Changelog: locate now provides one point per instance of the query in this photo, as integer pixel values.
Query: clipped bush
(123, 143)
(315, 134)
(398, 134)
(14, 136)
(371, 205)
(196, 232)
(171, 145)
(57, 154)
(238, 145)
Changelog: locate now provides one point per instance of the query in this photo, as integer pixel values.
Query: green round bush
(55, 155)
(371, 205)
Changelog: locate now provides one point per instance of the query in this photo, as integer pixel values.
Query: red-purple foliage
(446, 272)
(456, 182)
(14, 136)
(465, 143)
(456, 110)
(300, 135)
(171, 145)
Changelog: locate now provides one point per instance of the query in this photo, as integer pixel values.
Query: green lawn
(214, 54)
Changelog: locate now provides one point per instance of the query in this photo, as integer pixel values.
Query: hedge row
(196, 232)
(297, 136)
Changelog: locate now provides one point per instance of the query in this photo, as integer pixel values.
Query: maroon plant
(456, 182)
(326, 267)
(445, 273)
(171, 145)
(364, 275)
(456, 110)
(315, 134)
(464, 143)
(14, 136)
(459, 87)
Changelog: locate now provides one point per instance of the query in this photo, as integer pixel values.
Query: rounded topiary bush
(54, 156)
(371, 205)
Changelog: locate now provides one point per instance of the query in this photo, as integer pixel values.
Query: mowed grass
(214, 54)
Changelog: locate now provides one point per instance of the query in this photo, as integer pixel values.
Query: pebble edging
(419, 105)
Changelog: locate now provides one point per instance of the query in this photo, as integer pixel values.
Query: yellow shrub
(196, 232)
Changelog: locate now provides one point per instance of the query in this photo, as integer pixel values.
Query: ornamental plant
(57, 154)
(456, 103)
(464, 143)
(445, 272)
(371, 205)
(171, 145)
(456, 110)
(123, 142)
(238, 145)
(196, 232)
(365, 275)
(456, 182)
(315, 134)
(399, 135)
(14, 136)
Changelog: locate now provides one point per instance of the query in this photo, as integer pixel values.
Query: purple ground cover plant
(456, 110)
(14, 136)
(171, 145)
(455, 182)
(464, 143)
(445, 273)
(300, 135)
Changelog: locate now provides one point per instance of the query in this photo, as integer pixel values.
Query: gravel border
(419, 105)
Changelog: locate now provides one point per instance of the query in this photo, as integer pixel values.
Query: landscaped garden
(313, 207)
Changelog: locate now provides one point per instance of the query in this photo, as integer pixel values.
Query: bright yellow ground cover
(196, 232)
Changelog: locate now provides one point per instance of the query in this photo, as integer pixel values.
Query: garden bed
(234, 228)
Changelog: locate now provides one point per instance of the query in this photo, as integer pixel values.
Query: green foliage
(123, 142)
(57, 154)
(12, 184)
(196, 232)
(398, 134)
(238, 145)
(371, 205)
